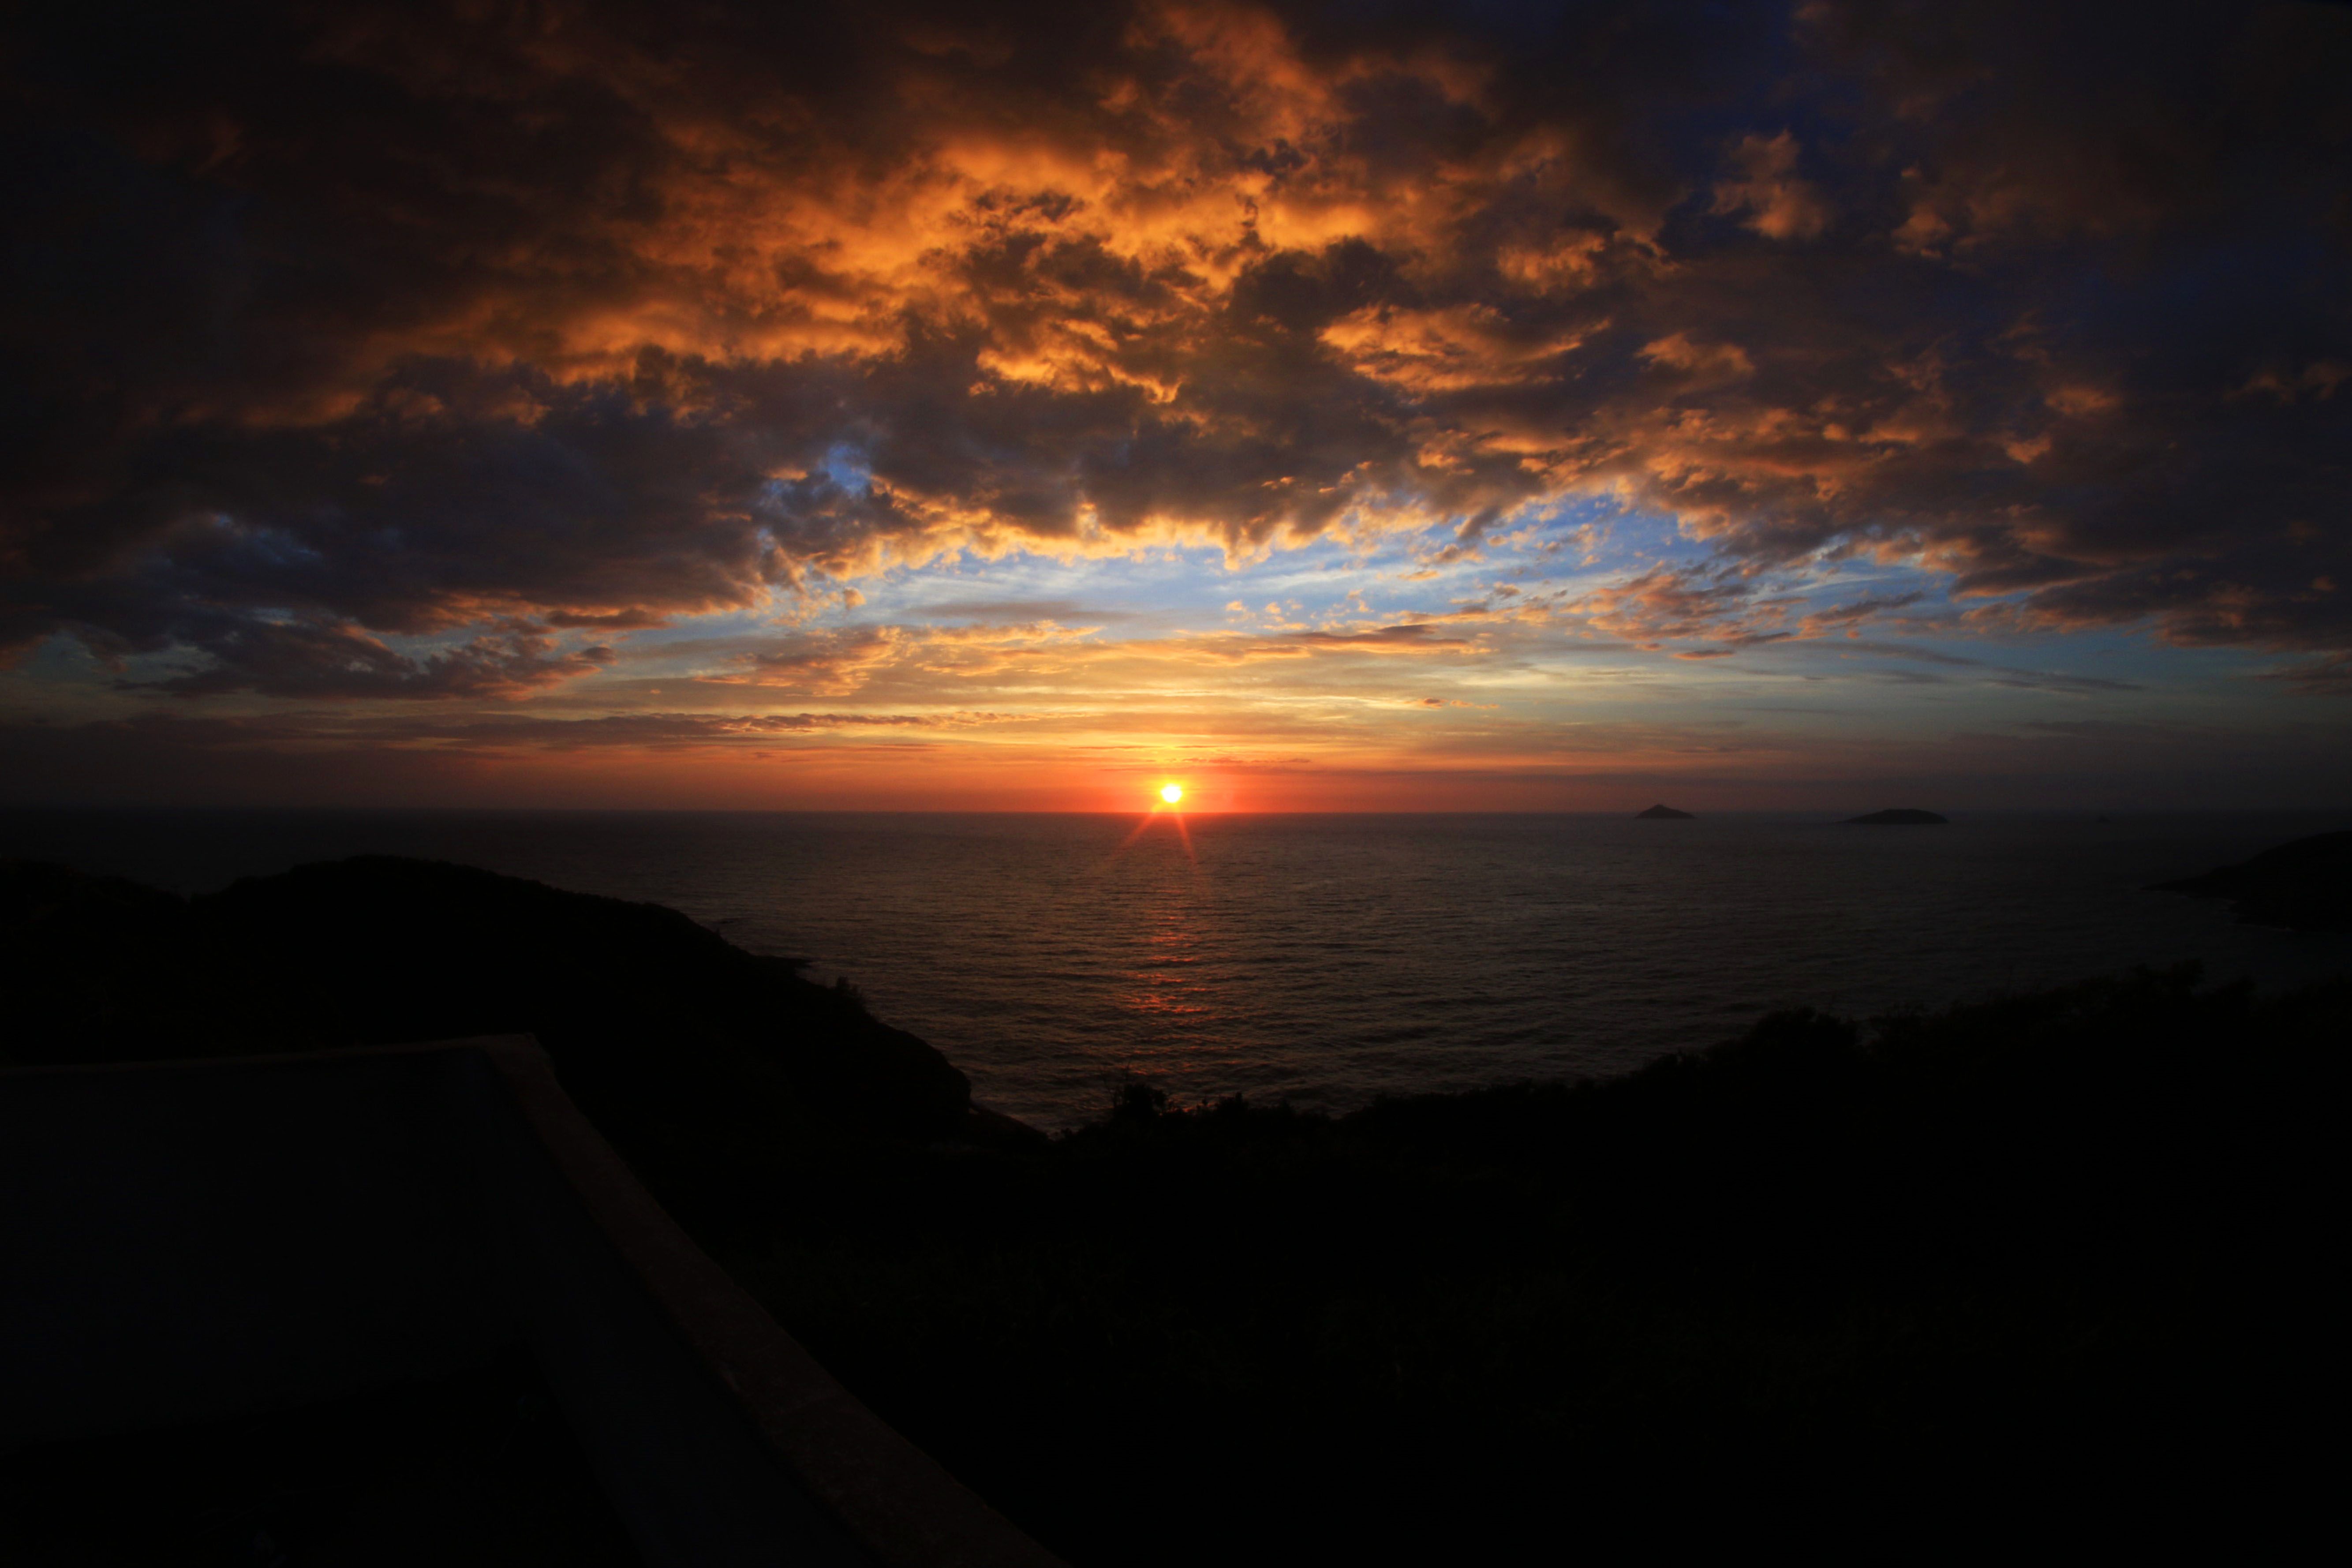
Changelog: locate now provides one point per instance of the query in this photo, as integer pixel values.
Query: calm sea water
(1328, 958)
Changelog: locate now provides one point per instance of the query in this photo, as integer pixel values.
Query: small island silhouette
(1900, 818)
(1664, 814)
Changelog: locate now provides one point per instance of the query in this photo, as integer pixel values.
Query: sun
(1172, 794)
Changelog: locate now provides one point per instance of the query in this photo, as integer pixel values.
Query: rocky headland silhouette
(1664, 814)
(2306, 885)
(1899, 817)
(692, 1055)
(2042, 1257)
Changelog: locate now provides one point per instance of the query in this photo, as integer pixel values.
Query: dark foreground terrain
(2302, 886)
(468, 1471)
(2058, 1267)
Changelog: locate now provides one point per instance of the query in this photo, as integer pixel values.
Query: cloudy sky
(1362, 407)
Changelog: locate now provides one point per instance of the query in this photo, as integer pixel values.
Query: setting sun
(1172, 794)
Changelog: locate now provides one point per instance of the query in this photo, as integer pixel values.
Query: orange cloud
(382, 322)
(1767, 191)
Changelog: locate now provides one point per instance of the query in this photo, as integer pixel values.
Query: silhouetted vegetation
(2054, 1262)
(473, 1469)
(2057, 1257)
(695, 1056)
(2304, 886)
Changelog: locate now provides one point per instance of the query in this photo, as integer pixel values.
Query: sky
(1371, 406)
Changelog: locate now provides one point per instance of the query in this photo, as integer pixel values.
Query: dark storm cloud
(2329, 675)
(309, 659)
(1019, 610)
(1993, 674)
(1412, 638)
(522, 326)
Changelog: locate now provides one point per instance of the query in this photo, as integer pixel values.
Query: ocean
(1327, 960)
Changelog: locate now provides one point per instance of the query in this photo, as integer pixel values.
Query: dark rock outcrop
(1662, 813)
(1898, 1259)
(652, 1020)
(1898, 818)
(2306, 885)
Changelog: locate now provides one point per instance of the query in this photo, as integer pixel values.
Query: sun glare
(1172, 794)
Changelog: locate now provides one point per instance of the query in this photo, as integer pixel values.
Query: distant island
(1664, 814)
(2303, 886)
(1899, 818)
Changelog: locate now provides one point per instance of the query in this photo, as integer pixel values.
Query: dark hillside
(2048, 1259)
(2060, 1264)
(700, 1060)
(2304, 886)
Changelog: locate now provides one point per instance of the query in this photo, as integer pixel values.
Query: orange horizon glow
(827, 775)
